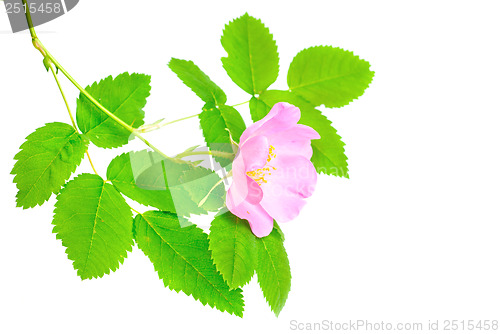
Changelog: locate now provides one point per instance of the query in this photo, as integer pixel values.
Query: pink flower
(272, 172)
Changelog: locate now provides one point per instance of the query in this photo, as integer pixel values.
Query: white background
(413, 235)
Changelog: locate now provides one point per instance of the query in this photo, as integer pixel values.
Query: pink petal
(293, 180)
(295, 140)
(255, 152)
(281, 117)
(261, 223)
(243, 188)
(283, 208)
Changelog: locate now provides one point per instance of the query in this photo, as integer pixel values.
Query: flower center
(259, 175)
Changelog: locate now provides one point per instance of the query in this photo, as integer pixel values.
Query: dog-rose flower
(272, 171)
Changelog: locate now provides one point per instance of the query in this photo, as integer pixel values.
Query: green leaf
(330, 76)
(273, 270)
(46, 63)
(258, 109)
(199, 82)
(153, 180)
(182, 259)
(95, 225)
(233, 249)
(47, 159)
(278, 228)
(214, 121)
(328, 152)
(205, 187)
(125, 96)
(253, 60)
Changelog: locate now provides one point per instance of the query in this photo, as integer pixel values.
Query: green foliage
(217, 120)
(328, 152)
(199, 82)
(46, 160)
(125, 96)
(253, 60)
(182, 259)
(273, 270)
(214, 121)
(95, 225)
(327, 75)
(258, 109)
(200, 182)
(153, 180)
(233, 247)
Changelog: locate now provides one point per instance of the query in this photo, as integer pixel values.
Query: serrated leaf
(125, 96)
(95, 225)
(278, 228)
(330, 76)
(183, 261)
(273, 270)
(253, 60)
(328, 152)
(47, 159)
(214, 120)
(205, 187)
(150, 179)
(199, 82)
(233, 249)
(258, 109)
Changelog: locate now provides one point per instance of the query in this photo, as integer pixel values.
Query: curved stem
(63, 96)
(204, 199)
(81, 89)
(91, 164)
(93, 100)
(40, 47)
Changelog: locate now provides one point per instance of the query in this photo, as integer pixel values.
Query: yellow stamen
(259, 175)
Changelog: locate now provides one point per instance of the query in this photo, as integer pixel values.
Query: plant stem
(239, 104)
(82, 90)
(154, 126)
(178, 120)
(131, 208)
(91, 164)
(28, 17)
(212, 153)
(204, 199)
(63, 96)
(40, 47)
(69, 112)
